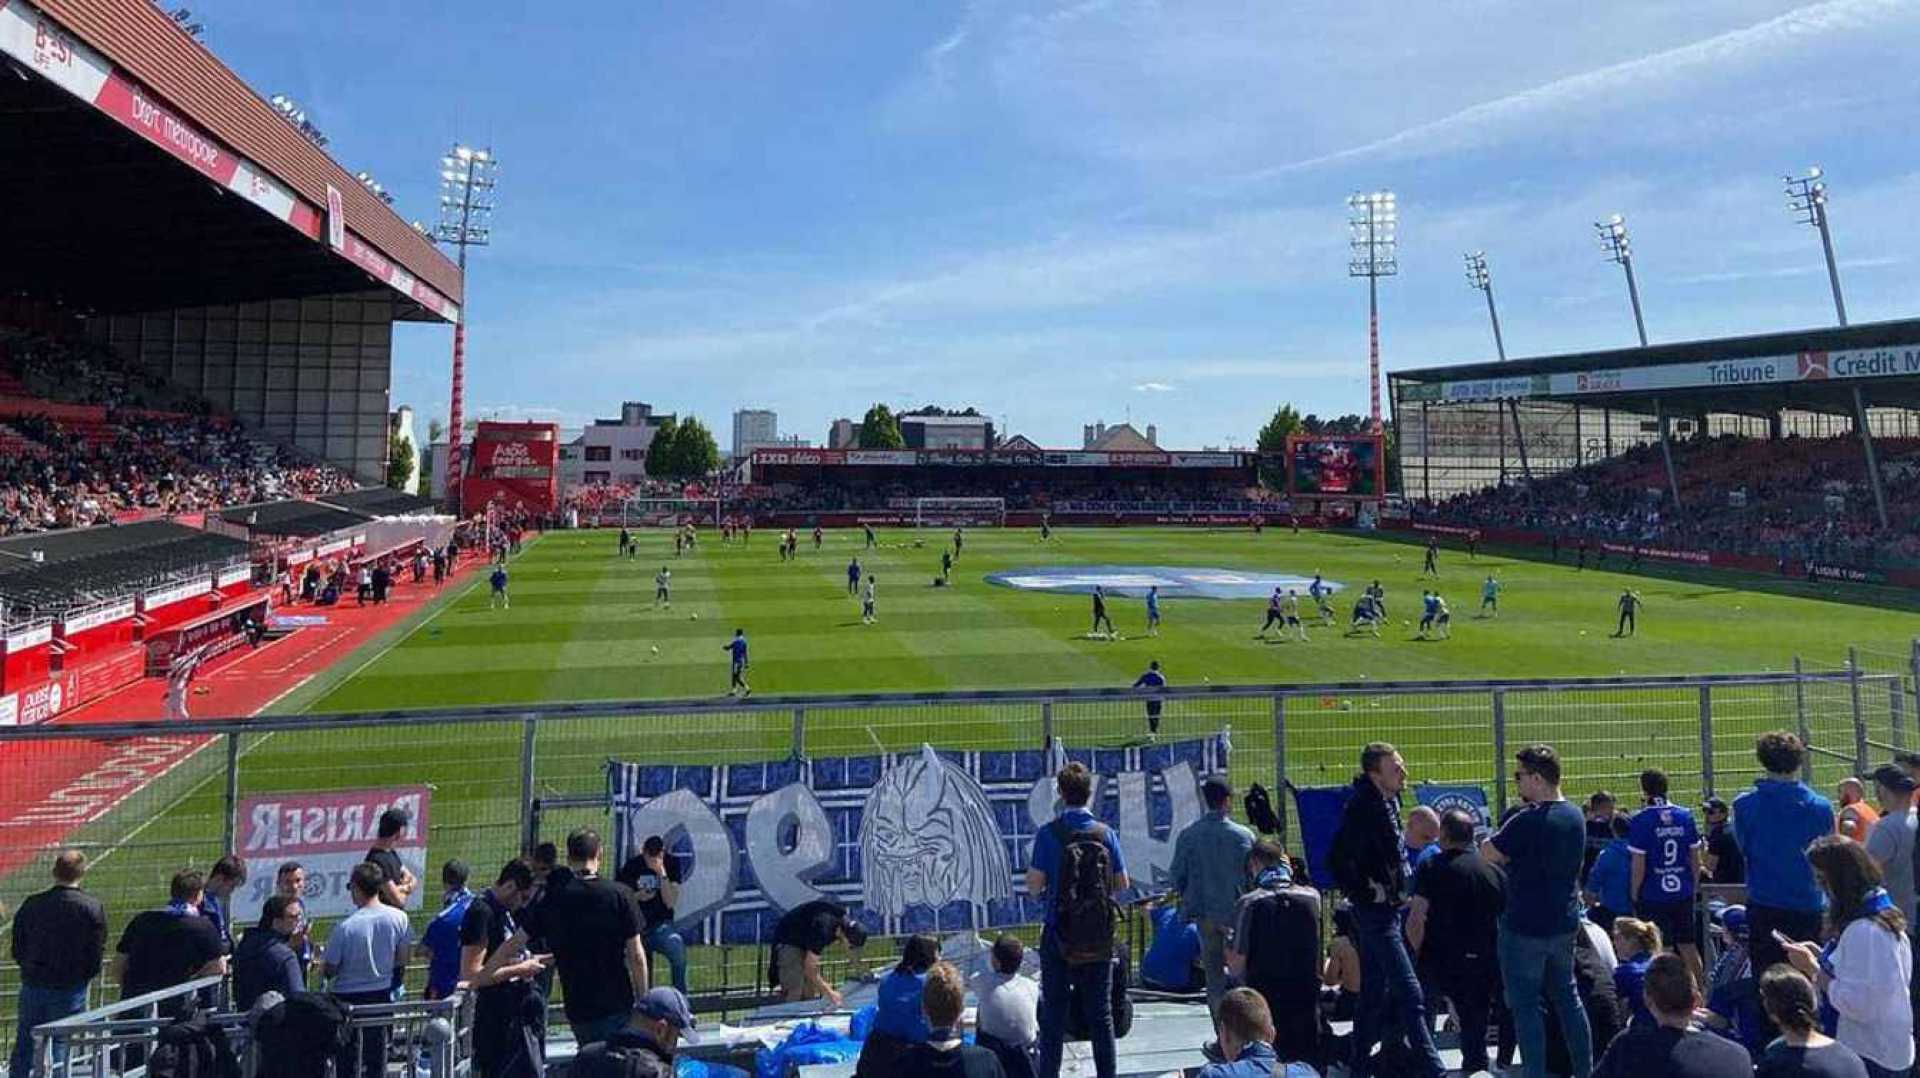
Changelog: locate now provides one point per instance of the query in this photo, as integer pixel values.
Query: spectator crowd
(1563, 940)
(1794, 500)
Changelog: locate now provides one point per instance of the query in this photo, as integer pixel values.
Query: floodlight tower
(1480, 278)
(466, 220)
(1372, 221)
(1614, 243)
(1807, 198)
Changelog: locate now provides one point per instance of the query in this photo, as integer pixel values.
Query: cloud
(1153, 387)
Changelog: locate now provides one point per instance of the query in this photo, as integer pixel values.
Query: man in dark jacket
(1452, 925)
(59, 938)
(265, 960)
(1276, 951)
(1368, 865)
(644, 1049)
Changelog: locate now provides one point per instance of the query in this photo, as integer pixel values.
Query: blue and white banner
(926, 841)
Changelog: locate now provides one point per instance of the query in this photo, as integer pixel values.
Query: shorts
(661, 593)
(790, 962)
(1675, 920)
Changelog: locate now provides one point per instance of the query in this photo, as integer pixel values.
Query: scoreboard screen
(1335, 465)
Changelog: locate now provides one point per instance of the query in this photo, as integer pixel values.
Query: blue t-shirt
(1152, 679)
(1169, 960)
(1630, 980)
(1774, 822)
(1432, 603)
(853, 570)
(1316, 589)
(738, 646)
(1611, 877)
(897, 1008)
(1544, 845)
(1420, 856)
(1665, 835)
(1153, 604)
(442, 941)
(1046, 852)
(499, 579)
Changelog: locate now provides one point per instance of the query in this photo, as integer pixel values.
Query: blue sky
(1064, 211)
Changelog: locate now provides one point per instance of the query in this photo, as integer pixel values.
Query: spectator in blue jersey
(441, 940)
(1774, 824)
(1171, 961)
(1422, 838)
(898, 1021)
(1636, 942)
(223, 879)
(1541, 847)
(1151, 683)
(737, 649)
(1246, 1041)
(1666, 866)
(1063, 987)
(1609, 890)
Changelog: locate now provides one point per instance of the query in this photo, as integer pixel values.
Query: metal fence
(145, 800)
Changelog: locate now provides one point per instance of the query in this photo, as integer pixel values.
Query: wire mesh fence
(145, 801)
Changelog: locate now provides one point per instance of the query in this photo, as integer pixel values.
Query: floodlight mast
(1372, 224)
(1807, 198)
(1618, 248)
(466, 215)
(1480, 278)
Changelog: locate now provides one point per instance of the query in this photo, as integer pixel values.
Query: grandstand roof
(382, 502)
(88, 564)
(158, 178)
(292, 518)
(1813, 370)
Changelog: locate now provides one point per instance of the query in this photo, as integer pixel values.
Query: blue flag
(1471, 800)
(1318, 809)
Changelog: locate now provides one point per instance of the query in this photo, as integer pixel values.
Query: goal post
(959, 512)
(669, 512)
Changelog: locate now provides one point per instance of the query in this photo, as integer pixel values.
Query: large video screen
(1335, 466)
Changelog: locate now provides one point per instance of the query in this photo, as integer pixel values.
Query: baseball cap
(1893, 777)
(667, 1005)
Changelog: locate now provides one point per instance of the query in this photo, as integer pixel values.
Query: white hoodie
(1871, 970)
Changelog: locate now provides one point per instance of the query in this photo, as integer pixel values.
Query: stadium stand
(48, 574)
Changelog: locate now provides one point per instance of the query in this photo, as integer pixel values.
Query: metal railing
(144, 800)
(433, 1037)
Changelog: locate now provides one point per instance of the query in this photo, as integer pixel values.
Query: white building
(611, 450)
(753, 428)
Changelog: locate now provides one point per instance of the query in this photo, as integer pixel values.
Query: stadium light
(1807, 198)
(466, 220)
(290, 111)
(1373, 222)
(1479, 277)
(1616, 246)
(374, 186)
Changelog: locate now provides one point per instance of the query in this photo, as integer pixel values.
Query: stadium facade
(1465, 427)
(180, 220)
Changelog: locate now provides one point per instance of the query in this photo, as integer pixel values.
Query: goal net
(959, 512)
(669, 512)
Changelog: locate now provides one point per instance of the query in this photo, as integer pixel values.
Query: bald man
(1855, 815)
(1422, 837)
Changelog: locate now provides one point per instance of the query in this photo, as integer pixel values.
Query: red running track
(50, 789)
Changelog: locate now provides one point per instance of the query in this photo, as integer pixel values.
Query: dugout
(1464, 427)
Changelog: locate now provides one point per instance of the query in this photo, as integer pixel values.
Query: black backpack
(1084, 914)
(602, 1060)
(1260, 811)
(299, 1036)
(192, 1047)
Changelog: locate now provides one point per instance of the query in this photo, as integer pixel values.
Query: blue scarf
(1273, 878)
(179, 908)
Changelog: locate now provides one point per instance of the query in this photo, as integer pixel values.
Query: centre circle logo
(1174, 582)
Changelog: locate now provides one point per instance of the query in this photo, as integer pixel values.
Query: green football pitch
(582, 627)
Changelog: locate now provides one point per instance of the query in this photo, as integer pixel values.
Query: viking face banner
(924, 841)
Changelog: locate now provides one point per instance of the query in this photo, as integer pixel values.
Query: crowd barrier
(490, 781)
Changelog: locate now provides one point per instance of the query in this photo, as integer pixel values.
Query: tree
(399, 461)
(436, 430)
(695, 453)
(1273, 440)
(880, 430)
(660, 451)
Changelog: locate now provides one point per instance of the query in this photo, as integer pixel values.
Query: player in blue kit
(737, 649)
(1153, 611)
(853, 577)
(1490, 598)
(1320, 592)
(1366, 615)
(1666, 849)
(1273, 615)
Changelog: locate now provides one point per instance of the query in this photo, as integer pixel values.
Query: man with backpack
(1275, 950)
(1369, 865)
(1075, 870)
